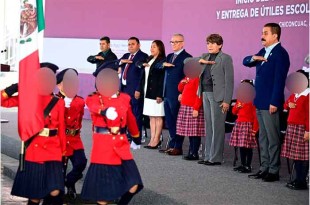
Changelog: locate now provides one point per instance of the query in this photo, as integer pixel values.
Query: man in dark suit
(173, 75)
(272, 65)
(131, 76)
(104, 55)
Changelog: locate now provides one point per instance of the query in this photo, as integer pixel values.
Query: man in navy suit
(173, 75)
(131, 76)
(272, 65)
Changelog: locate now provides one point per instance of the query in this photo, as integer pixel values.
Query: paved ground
(6, 197)
(171, 180)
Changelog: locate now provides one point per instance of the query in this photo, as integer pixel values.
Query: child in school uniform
(190, 121)
(296, 141)
(244, 131)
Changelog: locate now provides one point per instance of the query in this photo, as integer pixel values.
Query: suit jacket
(155, 80)
(270, 77)
(222, 73)
(134, 73)
(109, 56)
(173, 75)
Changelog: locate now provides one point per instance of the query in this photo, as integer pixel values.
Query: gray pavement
(168, 179)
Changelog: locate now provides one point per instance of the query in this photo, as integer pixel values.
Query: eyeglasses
(175, 42)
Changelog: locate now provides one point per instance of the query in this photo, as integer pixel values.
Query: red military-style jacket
(111, 148)
(73, 124)
(42, 148)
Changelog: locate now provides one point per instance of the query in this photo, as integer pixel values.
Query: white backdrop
(72, 52)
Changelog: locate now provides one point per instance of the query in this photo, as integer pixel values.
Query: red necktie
(127, 66)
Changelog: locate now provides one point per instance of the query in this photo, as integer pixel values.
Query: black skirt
(109, 182)
(38, 180)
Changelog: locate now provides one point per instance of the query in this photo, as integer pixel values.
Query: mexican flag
(30, 110)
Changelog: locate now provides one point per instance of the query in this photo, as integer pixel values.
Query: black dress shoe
(288, 184)
(271, 177)
(238, 168)
(147, 146)
(202, 162)
(191, 157)
(71, 193)
(258, 175)
(245, 169)
(213, 163)
(297, 186)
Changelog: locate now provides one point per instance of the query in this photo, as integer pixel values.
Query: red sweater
(300, 114)
(189, 93)
(246, 113)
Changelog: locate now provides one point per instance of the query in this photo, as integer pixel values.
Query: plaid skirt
(190, 126)
(241, 135)
(38, 180)
(294, 146)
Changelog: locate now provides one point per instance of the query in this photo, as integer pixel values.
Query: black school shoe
(245, 169)
(297, 186)
(191, 157)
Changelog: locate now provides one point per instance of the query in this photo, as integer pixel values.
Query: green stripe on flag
(40, 15)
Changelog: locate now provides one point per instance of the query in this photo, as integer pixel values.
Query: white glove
(67, 101)
(134, 146)
(111, 113)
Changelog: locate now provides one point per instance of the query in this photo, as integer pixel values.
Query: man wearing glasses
(173, 75)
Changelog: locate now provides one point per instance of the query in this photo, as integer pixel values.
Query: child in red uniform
(42, 177)
(74, 111)
(296, 141)
(190, 121)
(112, 173)
(244, 131)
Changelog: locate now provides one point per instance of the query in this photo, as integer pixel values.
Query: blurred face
(213, 47)
(154, 50)
(133, 46)
(104, 46)
(177, 43)
(268, 38)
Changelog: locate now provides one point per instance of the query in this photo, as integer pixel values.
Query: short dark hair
(215, 38)
(105, 38)
(275, 29)
(135, 39)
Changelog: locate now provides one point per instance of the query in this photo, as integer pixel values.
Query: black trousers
(79, 161)
(194, 144)
(301, 169)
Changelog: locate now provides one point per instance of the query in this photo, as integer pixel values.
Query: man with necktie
(173, 75)
(131, 76)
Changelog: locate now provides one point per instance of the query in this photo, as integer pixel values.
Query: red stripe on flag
(30, 109)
